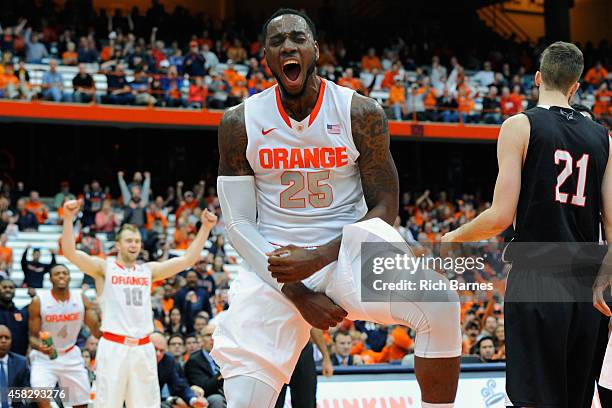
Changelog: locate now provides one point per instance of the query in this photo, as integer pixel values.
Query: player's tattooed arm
(379, 178)
(316, 308)
(233, 143)
(379, 181)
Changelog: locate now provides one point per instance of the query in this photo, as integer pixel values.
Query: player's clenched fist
(208, 219)
(71, 208)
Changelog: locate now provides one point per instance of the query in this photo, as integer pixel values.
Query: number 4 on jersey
(579, 198)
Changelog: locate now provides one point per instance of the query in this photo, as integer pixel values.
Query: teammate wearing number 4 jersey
(61, 313)
(126, 365)
(306, 176)
(554, 181)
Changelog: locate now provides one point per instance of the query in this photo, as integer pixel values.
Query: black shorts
(549, 345)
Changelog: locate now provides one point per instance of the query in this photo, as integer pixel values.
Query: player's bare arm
(327, 368)
(511, 150)
(379, 181)
(91, 265)
(604, 278)
(34, 323)
(166, 269)
(316, 308)
(92, 318)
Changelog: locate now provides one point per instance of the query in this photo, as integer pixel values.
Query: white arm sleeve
(237, 198)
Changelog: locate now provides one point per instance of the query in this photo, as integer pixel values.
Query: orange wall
(211, 7)
(532, 24)
(590, 20)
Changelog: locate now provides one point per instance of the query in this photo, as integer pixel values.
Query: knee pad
(437, 326)
(249, 392)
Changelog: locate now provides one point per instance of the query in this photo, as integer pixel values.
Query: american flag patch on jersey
(333, 129)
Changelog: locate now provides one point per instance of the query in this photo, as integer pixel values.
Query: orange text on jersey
(305, 157)
(129, 280)
(66, 317)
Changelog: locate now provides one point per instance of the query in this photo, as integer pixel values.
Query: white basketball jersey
(306, 175)
(62, 319)
(126, 300)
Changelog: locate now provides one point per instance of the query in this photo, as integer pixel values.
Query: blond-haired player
(126, 369)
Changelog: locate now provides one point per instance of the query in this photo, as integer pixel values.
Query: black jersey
(560, 199)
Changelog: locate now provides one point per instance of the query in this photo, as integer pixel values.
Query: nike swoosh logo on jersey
(265, 132)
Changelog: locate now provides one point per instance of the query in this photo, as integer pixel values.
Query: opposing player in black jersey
(554, 181)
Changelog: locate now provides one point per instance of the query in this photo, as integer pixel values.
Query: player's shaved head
(289, 11)
(561, 65)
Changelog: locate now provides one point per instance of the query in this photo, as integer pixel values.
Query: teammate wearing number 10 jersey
(126, 364)
(555, 184)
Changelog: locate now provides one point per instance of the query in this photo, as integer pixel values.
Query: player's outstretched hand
(292, 263)
(327, 369)
(71, 208)
(208, 219)
(319, 310)
(602, 282)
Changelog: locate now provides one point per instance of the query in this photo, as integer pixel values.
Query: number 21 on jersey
(578, 198)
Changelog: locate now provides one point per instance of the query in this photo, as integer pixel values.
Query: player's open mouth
(292, 70)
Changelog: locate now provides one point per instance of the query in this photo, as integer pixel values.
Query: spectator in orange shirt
(182, 237)
(238, 93)
(370, 62)
(603, 97)
(326, 56)
(9, 83)
(198, 92)
(465, 105)
(155, 213)
(236, 52)
(70, 56)
(390, 75)
(257, 83)
(398, 345)
(397, 98)
(37, 207)
(6, 253)
(188, 200)
(596, 75)
(508, 104)
(349, 81)
(231, 75)
(517, 97)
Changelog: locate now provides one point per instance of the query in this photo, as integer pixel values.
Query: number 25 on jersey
(320, 193)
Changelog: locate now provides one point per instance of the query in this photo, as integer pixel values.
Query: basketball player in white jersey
(61, 313)
(301, 164)
(126, 365)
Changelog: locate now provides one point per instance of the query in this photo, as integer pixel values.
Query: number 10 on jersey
(320, 193)
(133, 296)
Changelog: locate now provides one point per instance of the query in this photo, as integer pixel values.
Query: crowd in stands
(143, 63)
(185, 306)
